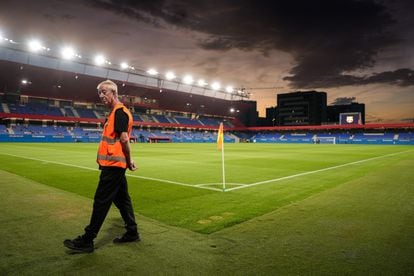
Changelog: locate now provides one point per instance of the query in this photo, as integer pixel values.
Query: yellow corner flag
(220, 146)
(220, 137)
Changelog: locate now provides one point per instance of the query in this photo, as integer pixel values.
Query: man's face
(106, 94)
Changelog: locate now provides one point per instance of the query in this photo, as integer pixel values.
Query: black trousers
(112, 188)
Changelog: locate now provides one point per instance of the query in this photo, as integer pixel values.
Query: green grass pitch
(287, 209)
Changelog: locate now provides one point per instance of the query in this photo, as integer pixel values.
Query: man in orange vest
(114, 157)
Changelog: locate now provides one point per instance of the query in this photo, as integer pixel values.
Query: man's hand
(131, 166)
(124, 139)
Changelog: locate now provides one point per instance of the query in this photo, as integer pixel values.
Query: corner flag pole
(222, 165)
(220, 145)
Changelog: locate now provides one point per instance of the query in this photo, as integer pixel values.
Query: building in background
(271, 116)
(245, 112)
(302, 108)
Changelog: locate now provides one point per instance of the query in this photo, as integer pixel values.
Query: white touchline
(316, 171)
(219, 183)
(130, 175)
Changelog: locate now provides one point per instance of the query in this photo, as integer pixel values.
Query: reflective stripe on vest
(111, 158)
(109, 140)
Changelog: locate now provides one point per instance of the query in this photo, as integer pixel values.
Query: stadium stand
(137, 118)
(70, 112)
(372, 138)
(215, 122)
(187, 121)
(209, 121)
(35, 108)
(405, 138)
(297, 137)
(272, 137)
(20, 122)
(162, 119)
(148, 118)
(92, 134)
(86, 113)
(80, 134)
(3, 130)
(344, 137)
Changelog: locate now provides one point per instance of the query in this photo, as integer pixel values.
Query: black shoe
(79, 244)
(127, 238)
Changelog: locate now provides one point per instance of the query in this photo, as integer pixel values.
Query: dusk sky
(362, 49)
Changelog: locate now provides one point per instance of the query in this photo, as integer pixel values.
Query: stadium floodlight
(229, 89)
(24, 81)
(188, 79)
(124, 65)
(68, 53)
(170, 75)
(232, 110)
(152, 72)
(99, 60)
(215, 85)
(201, 82)
(6, 39)
(35, 45)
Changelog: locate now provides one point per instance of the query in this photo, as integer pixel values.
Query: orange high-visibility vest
(110, 149)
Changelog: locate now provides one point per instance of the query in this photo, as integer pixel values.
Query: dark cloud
(325, 37)
(400, 77)
(343, 100)
(138, 10)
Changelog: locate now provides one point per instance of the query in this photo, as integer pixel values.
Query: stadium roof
(74, 87)
(106, 70)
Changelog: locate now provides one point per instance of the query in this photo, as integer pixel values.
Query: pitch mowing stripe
(130, 175)
(201, 186)
(316, 171)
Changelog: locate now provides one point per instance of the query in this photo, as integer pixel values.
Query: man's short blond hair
(109, 83)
